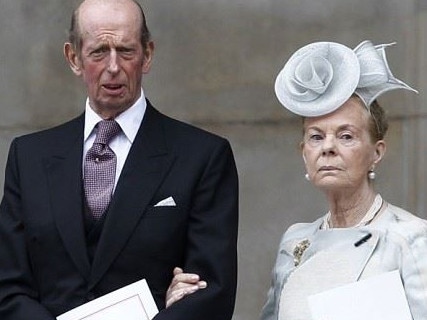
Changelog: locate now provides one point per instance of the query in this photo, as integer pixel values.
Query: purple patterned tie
(100, 168)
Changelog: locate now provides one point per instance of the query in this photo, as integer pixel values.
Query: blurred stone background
(215, 65)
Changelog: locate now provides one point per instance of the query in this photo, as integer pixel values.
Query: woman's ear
(301, 147)
(380, 149)
(73, 59)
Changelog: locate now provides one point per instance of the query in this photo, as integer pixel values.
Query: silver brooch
(299, 251)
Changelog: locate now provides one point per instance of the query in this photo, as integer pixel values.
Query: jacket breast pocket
(162, 212)
(160, 230)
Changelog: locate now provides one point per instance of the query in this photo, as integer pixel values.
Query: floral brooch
(299, 251)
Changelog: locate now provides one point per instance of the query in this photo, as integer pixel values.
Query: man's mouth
(112, 86)
(114, 89)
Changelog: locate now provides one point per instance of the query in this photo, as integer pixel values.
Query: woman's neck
(348, 209)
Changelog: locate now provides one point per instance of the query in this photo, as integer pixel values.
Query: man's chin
(113, 107)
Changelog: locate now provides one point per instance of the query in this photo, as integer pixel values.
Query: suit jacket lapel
(365, 251)
(344, 241)
(65, 182)
(147, 163)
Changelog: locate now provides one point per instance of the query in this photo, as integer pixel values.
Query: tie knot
(106, 130)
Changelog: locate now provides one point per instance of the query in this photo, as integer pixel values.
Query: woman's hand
(182, 285)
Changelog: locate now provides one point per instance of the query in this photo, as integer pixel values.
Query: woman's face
(338, 150)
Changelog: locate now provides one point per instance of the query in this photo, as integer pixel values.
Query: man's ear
(73, 59)
(148, 57)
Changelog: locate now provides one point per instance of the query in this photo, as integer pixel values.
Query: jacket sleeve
(268, 311)
(18, 294)
(270, 308)
(414, 269)
(211, 249)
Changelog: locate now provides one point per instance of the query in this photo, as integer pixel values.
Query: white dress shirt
(129, 121)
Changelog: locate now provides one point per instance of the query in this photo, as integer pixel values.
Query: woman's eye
(346, 137)
(316, 137)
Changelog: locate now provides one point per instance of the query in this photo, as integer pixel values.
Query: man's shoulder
(51, 135)
(177, 128)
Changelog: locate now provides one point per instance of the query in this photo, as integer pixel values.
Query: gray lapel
(359, 255)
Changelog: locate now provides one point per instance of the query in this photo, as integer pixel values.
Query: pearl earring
(307, 177)
(371, 175)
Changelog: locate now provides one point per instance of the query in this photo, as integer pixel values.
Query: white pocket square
(168, 202)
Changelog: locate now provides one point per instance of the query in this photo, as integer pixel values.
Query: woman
(362, 236)
(335, 89)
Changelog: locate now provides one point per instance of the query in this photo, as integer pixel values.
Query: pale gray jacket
(399, 241)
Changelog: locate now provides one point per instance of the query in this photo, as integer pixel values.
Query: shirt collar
(129, 120)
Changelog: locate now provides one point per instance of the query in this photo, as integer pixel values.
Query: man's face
(112, 59)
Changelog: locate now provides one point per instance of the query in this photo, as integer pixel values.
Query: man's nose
(113, 65)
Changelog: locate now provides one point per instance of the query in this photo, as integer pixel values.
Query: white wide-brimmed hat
(321, 76)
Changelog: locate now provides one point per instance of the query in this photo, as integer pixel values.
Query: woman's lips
(328, 168)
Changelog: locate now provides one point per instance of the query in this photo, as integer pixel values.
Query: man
(174, 201)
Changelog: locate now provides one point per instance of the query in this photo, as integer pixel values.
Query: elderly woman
(335, 89)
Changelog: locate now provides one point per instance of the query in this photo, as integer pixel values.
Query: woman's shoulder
(302, 229)
(404, 217)
(403, 223)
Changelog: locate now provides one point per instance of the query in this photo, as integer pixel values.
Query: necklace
(367, 218)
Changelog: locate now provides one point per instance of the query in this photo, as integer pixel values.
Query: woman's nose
(329, 145)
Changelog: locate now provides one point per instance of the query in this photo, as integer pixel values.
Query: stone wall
(215, 64)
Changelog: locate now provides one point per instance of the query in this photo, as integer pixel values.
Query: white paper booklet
(133, 302)
(377, 298)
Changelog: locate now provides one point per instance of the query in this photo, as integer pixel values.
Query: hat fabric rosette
(319, 77)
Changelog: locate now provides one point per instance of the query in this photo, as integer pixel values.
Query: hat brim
(343, 82)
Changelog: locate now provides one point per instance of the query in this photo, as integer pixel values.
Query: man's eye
(98, 52)
(126, 52)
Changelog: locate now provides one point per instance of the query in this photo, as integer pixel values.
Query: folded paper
(378, 297)
(132, 302)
